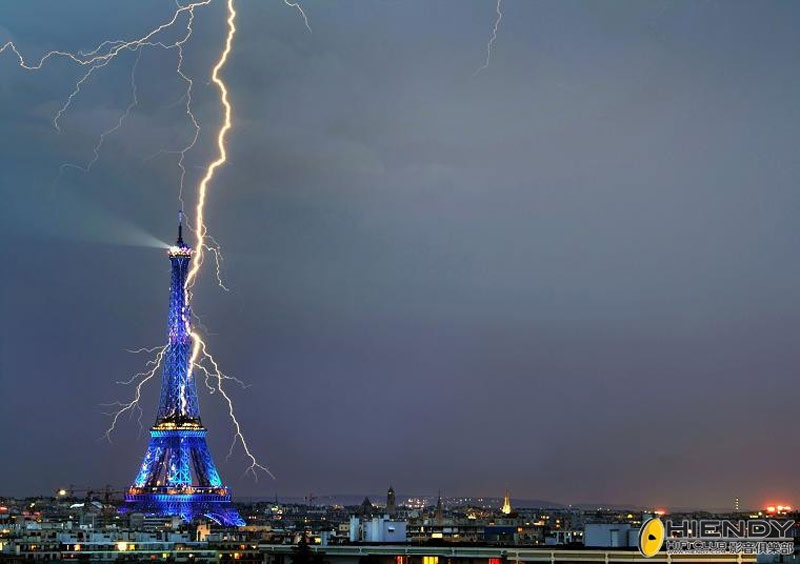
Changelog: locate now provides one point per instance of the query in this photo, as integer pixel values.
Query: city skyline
(573, 275)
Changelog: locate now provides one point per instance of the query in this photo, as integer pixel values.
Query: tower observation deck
(178, 475)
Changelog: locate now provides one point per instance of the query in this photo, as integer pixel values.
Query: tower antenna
(180, 229)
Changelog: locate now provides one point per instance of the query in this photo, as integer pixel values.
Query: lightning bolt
(188, 98)
(199, 355)
(99, 145)
(100, 56)
(94, 60)
(299, 8)
(199, 349)
(492, 38)
(222, 156)
(140, 379)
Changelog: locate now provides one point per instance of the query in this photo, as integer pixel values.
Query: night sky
(575, 275)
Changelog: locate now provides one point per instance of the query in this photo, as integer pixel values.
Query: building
(610, 535)
(391, 502)
(377, 529)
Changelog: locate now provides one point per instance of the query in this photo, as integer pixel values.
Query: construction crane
(94, 494)
(106, 492)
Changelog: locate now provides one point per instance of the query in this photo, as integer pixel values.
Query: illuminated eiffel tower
(178, 476)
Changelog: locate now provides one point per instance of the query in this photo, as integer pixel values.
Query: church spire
(506, 510)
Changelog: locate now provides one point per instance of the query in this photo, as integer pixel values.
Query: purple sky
(575, 275)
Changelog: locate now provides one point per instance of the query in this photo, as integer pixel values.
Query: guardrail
(513, 554)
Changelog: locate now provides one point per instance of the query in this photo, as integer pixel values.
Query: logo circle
(651, 537)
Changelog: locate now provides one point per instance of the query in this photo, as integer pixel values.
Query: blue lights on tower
(178, 476)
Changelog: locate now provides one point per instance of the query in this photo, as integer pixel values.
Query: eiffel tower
(178, 476)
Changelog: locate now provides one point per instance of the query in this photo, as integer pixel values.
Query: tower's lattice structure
(178, 475)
